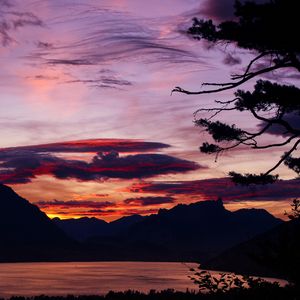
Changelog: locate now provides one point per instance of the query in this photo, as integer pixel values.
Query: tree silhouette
(268, 31)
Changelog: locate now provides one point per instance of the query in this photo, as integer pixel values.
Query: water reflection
(93, 278)
(29, 279)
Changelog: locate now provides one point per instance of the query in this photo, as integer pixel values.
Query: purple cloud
(221, 10)
(231, 60)
(82, 146)
(21, 164)
(146, 201)
(209, 189)
(276, 129)
(75, 204)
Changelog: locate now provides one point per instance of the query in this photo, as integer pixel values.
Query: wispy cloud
(107, 81)
(106, 35)
(11, 20)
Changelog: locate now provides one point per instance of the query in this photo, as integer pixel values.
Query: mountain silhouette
(25, 231)
(275, 253)
(122, 224)
(194, 232)
(83, 228)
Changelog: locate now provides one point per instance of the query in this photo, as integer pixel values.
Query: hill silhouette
(274, 253)
(83, 228)
(25, 231)
(199, 230)
(194, 232)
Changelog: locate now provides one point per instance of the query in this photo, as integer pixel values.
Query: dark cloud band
(209, 189)
(22, 164)
(148, 201)
(90, 145)
(75, 204)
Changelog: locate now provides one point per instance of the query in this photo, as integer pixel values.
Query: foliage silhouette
(269, 292)
(266, 30)
(225, 282)
(295, 210)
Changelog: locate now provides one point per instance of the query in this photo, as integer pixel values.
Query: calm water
(93, 278)
(29, 279)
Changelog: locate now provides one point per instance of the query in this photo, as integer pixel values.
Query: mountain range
(194, 232)
(84, 228)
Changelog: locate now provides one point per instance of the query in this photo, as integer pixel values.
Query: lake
(29, 279)
(93, 278)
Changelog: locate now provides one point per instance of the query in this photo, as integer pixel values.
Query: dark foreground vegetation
(265, 292)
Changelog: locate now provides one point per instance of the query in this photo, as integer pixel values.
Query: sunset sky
(88, 123)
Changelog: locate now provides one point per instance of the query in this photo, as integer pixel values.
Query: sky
(88, 124)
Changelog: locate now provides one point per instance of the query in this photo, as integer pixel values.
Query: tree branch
(250, 65)
(276, 145)
(284, 157)
(227, 86)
